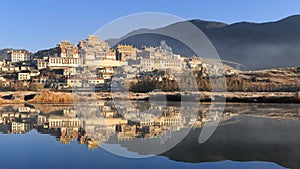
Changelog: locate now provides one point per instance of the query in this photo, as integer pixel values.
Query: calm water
(48, 136)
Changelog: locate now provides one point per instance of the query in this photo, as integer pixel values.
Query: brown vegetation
(14, 100)
(52, 97)
(273, 80)
(3, 101)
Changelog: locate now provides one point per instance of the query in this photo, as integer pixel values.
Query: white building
(19, 127)
(147, 64)
(64, 62)
(96, 81)
(78, 82)
(58, 122)
(74, 82)
(18, 55)
(24, 76)
(161, 64)
(42, 119)
(172, 64)
(42, 64)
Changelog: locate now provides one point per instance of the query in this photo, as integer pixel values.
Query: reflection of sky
(36, 150)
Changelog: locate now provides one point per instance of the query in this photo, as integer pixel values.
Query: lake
(99, 135)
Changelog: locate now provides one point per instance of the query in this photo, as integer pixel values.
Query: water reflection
(247, 132)
(96, 123)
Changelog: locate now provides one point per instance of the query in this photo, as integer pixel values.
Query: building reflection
(99, 123)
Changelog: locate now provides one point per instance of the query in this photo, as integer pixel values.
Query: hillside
(255, 45)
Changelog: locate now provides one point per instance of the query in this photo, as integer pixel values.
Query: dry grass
(2, 101)
(14, 100)
(52, 97)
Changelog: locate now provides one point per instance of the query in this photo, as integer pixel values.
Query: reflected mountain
(250, 139)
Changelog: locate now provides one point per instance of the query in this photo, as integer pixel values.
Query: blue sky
(40, 24)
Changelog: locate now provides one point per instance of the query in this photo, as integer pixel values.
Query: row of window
(64, 61)
(60, 123)
(90, 81)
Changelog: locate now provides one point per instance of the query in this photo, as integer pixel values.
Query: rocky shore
(68, 98)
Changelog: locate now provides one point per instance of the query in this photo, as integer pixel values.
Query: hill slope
(255, 45)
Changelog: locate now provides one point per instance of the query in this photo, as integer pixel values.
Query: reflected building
(96, 123)
(19, 128)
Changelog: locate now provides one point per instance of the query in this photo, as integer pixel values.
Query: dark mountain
(255, 45)
(3, 53)
(46, 52)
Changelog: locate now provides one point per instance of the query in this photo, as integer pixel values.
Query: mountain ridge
(256, 45)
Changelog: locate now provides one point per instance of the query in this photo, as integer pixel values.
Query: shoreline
(50, 97)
